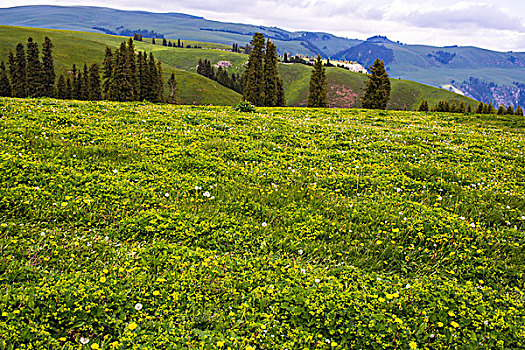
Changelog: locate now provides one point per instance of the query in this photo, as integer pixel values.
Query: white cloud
(498, 26)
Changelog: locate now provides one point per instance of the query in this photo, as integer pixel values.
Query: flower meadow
(141, 226)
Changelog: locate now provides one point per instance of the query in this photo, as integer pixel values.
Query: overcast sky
(498, 25)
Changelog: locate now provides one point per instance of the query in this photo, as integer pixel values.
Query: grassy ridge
(78, 47)
(138, 225)
(345, 88)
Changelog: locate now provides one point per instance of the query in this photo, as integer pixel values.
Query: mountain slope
(79, 48)
(436, 66)
(345, 87)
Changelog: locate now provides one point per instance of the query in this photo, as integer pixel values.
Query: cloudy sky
(498, 25)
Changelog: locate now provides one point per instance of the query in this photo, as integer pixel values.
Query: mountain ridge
(435, 66)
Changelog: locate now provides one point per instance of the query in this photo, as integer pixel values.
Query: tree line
(482, 108)
(29, 75)
(126, 76)
(234, 82)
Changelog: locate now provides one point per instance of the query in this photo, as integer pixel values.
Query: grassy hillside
(346, 88)
(132, 226)
(79, 48)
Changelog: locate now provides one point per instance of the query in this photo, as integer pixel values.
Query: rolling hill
(436, 66)
(79, 48)
(345, 87)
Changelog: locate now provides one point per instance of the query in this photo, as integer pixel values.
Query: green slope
(78, 47)
(346, 88)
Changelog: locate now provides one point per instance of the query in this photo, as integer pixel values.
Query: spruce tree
(159, 83)
(172, 86)
(5, 84)
(79, 86)
(48, 67)
(132, 69)
(519, 111)
(462, 108)
(164, 42)
(469, 109)
(86, 92)
(502, 110)
(271, 75)
(254, 76)
(281, 99)
(153, 41)
(143, 77)
(122, 87)
(108, 72)
(35, 74)
(317, 96)
(17, 71)
(510, 110)
(75, 93)
(480, 108)
(377, 92)
(95, 92)
(68, 89)
(423, 107)
(61, 88)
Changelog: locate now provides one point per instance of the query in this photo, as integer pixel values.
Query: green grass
(79, 48)
(135, 226)
(345, 89)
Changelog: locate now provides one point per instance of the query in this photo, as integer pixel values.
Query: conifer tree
(5, 84)
(502, 110)
(178, 43)
(75, 93)
(462, 108)
(17, 71)
(480, 108)
(453, 108)
(172, 86)
(122, 87)
(317, 96)
(271, 75)
(519, 111)
(143, 77)
(281, 99)
(510, 110)
(159, 83)
(469, 109)
(48, 67)
(377, 92)
(68, 89)
(95, 92)
(79, 88)
(285, 59)
(423, 107)
(254, 81)
(108, 72)
(86, 92)
(61, 88)
(153, 41)
(164, 42)
(35, 74)
(131, 64)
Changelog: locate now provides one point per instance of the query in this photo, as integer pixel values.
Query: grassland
(152, 226)
(345, 88)
(79, 48)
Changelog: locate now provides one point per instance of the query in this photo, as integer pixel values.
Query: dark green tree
(144, 79)
(159, 84)
(68, 89)
(34, 71)
(61, 88)
(502, 110)
(95, 91)
(5, 84)
(75, 92)
(469, 109)
(108, 72)
(519, 111)
(131, 65)
(254, 76)
(271, 75)
(153, 41)
(164, 42)
(281, 99)
(377, 93)
(48, 67)
(122, 87)
(86, 92)
(510, 110)
(423, 107)
(462, 108)
(480, 108)
(317, 96)
(172, 86)
(17, 71)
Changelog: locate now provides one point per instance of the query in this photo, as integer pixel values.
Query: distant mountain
(436, 66)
